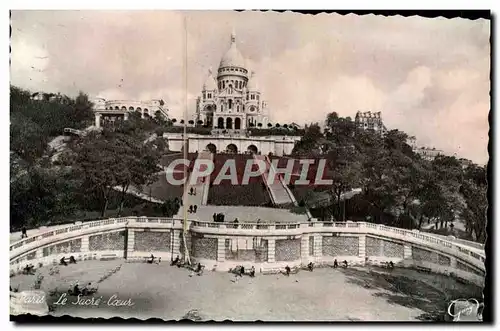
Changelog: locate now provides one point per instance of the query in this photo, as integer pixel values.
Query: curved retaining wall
(267, 246)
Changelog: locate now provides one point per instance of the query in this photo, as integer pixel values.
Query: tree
(174, 120)
(311, 142)
(259, 125)
(285, 126)
(182, 122)
(112, 159)
(474, 190)
(344, 169)
(277, 125)
(200, 122)
(251, 125)
(269, 125)
(191, 122)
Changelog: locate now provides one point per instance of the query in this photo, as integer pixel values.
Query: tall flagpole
(185, 202)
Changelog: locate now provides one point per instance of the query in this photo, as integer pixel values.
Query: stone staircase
(200, 188)
(280, 194)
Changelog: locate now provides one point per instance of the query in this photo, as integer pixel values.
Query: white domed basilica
(232, 100)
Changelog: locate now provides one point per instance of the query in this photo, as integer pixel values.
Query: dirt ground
(161, 291)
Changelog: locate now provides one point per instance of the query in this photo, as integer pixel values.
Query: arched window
(221, 107)
(204, 96)
(230, 104)
(223, 85)
(220, 123)
(238, 108)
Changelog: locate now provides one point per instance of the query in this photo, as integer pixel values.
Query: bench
(142, 259)
(108, 257)
(271, 271)
(423, 269)
(274, 271)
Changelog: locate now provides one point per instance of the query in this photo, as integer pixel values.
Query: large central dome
(233, 57)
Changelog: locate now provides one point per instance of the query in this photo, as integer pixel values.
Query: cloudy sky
(428, 77)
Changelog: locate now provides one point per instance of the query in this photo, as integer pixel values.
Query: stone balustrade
(268, 243)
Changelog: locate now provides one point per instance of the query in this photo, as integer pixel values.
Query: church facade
(231, 100)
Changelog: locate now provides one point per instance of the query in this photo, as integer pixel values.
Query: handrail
(474, 253)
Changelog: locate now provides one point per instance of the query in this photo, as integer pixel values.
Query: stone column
(85, 244)
(98, 120)
(125, 116)
(176, 243)
(407, 252)
(362, 248)
(142, 113)
(271, 250)
(221, 249)
(130, 242)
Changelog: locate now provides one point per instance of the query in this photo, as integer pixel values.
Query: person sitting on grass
(391, 265)
(63, 261)
(335, 264)
(29, 269)
(152, 259)
(175, 261)
(252, 272)
(76, 289)
(287, 270)
(199, 269)
(72, 260)
(310, 266)
(345, 263)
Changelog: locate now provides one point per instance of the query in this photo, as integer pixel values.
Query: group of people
(29, 269)
(85, 290)
(336, 264)
(240, 271)
(72, 260)
(152, 258)
(219, 218)
(198, 269)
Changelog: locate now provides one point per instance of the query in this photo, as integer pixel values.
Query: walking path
(279, 194)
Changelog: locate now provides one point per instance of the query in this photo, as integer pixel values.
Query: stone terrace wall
(114, 241)
(287, 250)
(72, 246)
(340, 246)
(392, 249)
(385, 248)
(152, 241)
(464, 267)
(204, 248)
(425, 255)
